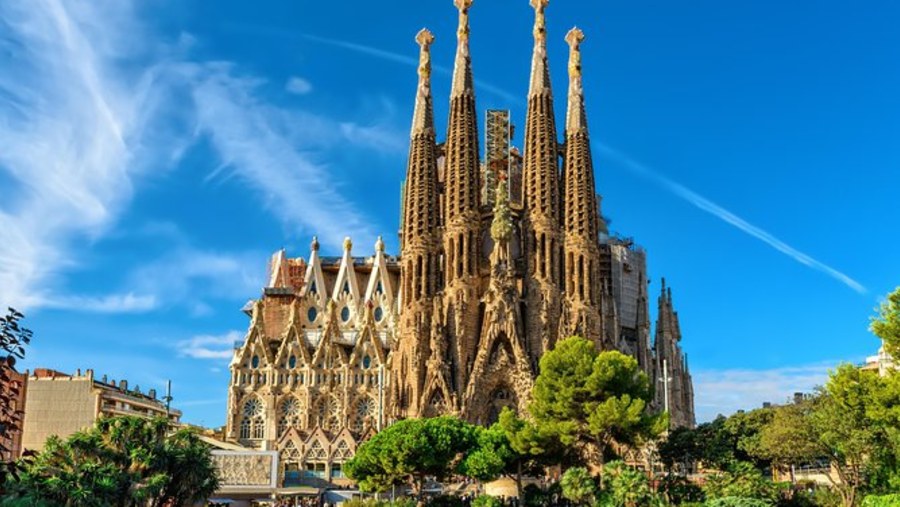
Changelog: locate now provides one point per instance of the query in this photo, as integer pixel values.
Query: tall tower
(462, 235)
(543, 245)
(420, 249)
(676, 389)
(582, 285)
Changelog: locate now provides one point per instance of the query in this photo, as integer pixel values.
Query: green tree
(789, 438)
(578, 486)
(737, 501)
(678, 490)
(591, 401)
(846, 433)
(411, 450)
(886, 324)
(121, 461)
(492, 455)
(681, 448)
(624, 486)
(744, 430)
(741, 480)
(532, 446)
(13, 339)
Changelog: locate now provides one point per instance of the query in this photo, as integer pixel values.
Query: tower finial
(575, 115)
(423, 116)
(540, 24)
(314, 246)
(540, 74)
(379, 244)
(348, 244)
(462, 67)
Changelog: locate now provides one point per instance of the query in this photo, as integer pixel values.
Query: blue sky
(154, 153)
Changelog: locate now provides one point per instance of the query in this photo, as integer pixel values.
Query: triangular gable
(346, 281)
(293, 341)
(380, 280)
(255, 342)
(343, 447)
(314, 281)
(368, 340)
(278, 269)
(327, 349)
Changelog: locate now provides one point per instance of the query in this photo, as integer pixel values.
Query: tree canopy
(411, 450)
(121, 461)
(591, 400)
(886, 324)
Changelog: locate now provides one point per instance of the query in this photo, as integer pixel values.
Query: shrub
(486, 501)
(681, 491)
(737, 501)
(445, 501)
(578, 486)
(892, 500)
(743, 480)
(533, 496)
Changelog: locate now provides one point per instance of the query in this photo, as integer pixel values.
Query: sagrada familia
(500, 258)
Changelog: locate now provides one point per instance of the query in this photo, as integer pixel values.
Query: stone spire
(423, 114)
(462, 66)
(541, 200)
(420, 251)
(462, 166)
(576, 119)
(540, 72)
(462, 193)
(578, 178)
(580, 219)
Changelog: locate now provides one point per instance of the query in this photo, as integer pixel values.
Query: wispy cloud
(193, 277)
(409, 61)
(71, 129)
(727, 216)
(298, 86)
(112, 303)
(209, 346)
(264, 147)
(727, 391)
(90, 98)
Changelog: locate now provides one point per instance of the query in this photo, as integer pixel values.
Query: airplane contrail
(405, 60)
(727, 216)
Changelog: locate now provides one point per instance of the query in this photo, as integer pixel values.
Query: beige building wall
(57, 406)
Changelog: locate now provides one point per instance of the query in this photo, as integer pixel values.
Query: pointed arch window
(253, 420)
(254, 362)
(367, 362)
(379, 289)
(289, 414)
(292, 362)
(365, 414)
(312, 288)
(346, 287)
(329, 415)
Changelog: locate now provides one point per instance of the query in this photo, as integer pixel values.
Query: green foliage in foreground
(886, 324)
(486, 501)
(743, 480)
(371, 502)
(411, 450)
(593, 400)
(578, 486)
(121, 461)
(737, 501)
(892, 500)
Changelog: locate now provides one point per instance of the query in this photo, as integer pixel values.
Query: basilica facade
(502, 254)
